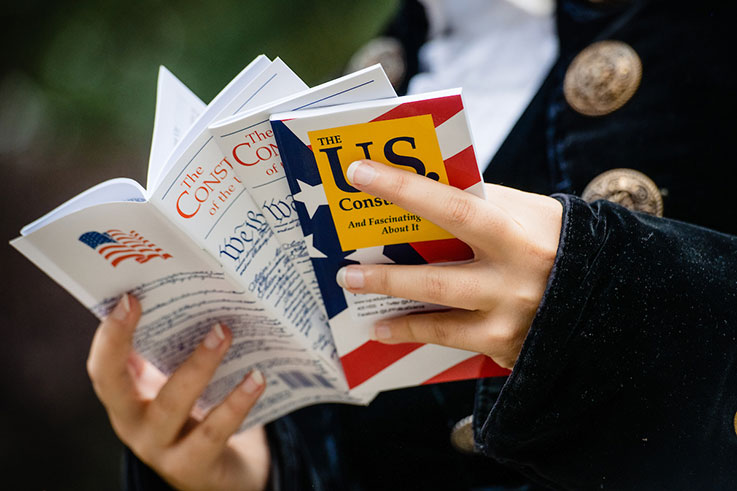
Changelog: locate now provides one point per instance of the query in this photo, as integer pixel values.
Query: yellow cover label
(362, 220)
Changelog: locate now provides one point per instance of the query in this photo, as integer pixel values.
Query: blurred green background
(77, 94)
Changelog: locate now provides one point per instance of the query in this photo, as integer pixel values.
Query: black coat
(628, 377)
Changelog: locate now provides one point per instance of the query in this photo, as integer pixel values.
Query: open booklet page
(177, 108)
(230, 92)
(101, 251)
(248, 143)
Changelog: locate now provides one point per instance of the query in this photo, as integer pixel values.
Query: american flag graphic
(366, 363)
(117, 246)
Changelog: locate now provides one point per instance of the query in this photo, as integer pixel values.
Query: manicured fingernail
(348, 277)
(380, 332)
(254, 382)
(214, 337)
(121, 311)
(360, 173)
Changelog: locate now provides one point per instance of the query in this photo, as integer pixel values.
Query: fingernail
(254, 382)
(121, 311)
(214, 337)
(380, 332)
(348, 277)
(360, 173)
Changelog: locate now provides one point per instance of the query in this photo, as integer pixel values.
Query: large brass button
(461, 436)
(388, 52)
(735, 423)
(602, 78)
(627, 187)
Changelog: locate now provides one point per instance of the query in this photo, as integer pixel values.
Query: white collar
(497, 51)
(446, 14)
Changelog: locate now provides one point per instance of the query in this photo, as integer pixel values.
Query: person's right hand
(153, 416)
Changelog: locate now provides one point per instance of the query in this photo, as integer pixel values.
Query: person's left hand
(514, 236)
(155, 416)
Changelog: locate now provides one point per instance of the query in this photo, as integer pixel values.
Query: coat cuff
(626, 361)
(523, 395)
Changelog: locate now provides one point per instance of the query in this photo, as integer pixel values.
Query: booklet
(427, 134)
(248, 139)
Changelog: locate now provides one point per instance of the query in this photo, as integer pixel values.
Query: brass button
(461, 436)
(735, 423)
(385, 50)
(627, 187)
(602, 78)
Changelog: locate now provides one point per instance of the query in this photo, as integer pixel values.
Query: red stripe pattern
(370, 358)
(479, 366)
(441, 109)
(131, 245)
(462, 169)
(443, 250)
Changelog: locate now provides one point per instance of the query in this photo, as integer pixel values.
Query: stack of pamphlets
(247, 216)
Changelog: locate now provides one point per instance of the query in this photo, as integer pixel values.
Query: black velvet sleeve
(628, 376)
(289, 470)
(137, 476)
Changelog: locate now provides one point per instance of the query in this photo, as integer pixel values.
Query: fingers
(431, 328)
(464, 215)
(468, 330)
(108, 363)
(210, 436)
(452, 286)
(172, 406)
(540, 216)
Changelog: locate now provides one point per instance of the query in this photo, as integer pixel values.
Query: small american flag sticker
(117, 246)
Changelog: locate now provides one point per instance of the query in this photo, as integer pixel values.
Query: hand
(514, 236)
(154, 416)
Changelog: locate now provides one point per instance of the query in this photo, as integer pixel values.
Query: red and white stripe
(131, 245)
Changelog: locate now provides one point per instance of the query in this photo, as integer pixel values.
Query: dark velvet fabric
(139, 477)
(401, 441)
(628, 377)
